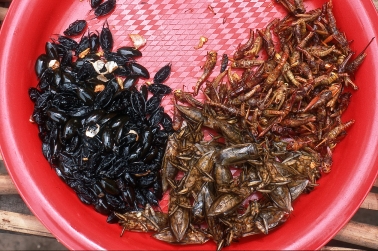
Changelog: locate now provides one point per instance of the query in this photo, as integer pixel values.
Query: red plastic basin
(172, 28)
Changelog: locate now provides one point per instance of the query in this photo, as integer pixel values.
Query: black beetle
(129, 52)
(106, 38)
(162, 74)
(159, 89)
(94, 42)
(75, 28)
(105, 8)
(95, 3)
(139, 70)
(41, 64)
(51, 50)
(67, 42)
(83, 46)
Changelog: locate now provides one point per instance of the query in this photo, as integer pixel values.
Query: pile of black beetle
(103, 137)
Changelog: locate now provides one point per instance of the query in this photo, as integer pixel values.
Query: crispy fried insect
(267, 38)
(353, 66)
(335, 132)
(241, 98)
(162, 75)
(289, 6)
(299, 6)
(344, 101)
(75, 28)
(239, 53)
(105, 8)
(305, 40)
(255, 48)
(211, 60)
(277, 70)
(231, 110)
(95, 3)
(246, 63)
(187, 98)
(224, 63)
(106, 38)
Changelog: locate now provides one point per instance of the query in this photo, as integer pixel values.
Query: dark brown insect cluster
(273, 131)
(103, 137)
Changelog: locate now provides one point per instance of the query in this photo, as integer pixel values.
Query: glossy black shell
(105, 8)
(95, 3)
(162, 74)
(139, 70)
(129, 52)
(106, 38)
(75, 28)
